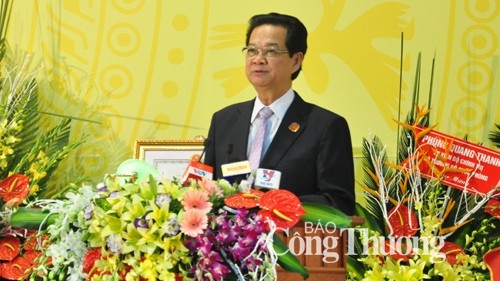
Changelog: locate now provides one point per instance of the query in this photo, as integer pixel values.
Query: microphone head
(236, 168)
(207, 142)
(234, 172)
(197, 170)
(267, 179)
(229, 150)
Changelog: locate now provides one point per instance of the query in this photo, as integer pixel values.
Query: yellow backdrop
(142, 69)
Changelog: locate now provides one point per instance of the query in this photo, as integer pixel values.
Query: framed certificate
(169, 157)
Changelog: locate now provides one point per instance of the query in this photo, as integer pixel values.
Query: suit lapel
(292, 126)
(240, 132)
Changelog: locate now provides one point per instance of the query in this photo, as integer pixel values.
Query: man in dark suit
(309, 145)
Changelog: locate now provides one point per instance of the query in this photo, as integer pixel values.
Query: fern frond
(31, 128)
(405, 142)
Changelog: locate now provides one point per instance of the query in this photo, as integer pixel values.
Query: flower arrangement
(126, 230)
(146, 228)
(239, 239)
(30, 151)
(418, 227)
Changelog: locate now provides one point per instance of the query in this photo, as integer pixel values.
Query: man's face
(270, 72)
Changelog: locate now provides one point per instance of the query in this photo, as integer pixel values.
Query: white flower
(114, 244)
(172, 226)
(162, 199)
(244, 186)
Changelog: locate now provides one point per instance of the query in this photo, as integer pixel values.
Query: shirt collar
(279, 106)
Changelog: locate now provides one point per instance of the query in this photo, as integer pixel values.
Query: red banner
(459, 164)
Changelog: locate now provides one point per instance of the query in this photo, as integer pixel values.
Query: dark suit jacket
(316, 162)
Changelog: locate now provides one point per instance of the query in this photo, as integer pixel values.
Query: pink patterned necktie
(258, 140)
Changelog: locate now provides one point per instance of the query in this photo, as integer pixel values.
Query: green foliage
(441, 211)
(286, 259)
(317, 213)
(31, 218)
(27, 147)
(495, 136)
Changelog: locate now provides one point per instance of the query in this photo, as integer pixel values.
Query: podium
(322, 252)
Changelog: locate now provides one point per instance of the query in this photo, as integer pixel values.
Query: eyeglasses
(268, 52)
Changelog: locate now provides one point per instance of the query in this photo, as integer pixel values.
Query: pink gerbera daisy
(210, 187)
(196, 199)
(193, 222)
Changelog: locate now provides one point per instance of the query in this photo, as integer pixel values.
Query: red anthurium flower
(451, 250)
(14, 189)
(33, 257)
(10, 247)
(244, 200)
(17, 268)
(399, 251)
(492, 260)
(402, 222)
(493, 207)
(90, 258)
(32, 239)
(30, 242)
(282, 207)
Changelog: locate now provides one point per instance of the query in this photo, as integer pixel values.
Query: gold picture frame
(169, 157)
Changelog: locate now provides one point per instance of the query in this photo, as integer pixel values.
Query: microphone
(267, 179)
(236, 171)
(196, 169)
(229, 150)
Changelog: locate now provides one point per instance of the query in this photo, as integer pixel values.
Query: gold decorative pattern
(142, 69)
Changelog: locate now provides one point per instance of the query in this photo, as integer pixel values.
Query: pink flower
(194, 222)
(210, 187)
(196, 199)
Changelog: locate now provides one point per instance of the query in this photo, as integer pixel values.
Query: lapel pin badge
(294, 127)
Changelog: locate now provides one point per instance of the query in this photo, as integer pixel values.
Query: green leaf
(153, 186)
(29, 218)
(317, 213)
(370, 222)
(355, 269)
(286, 259)
(103, 204)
